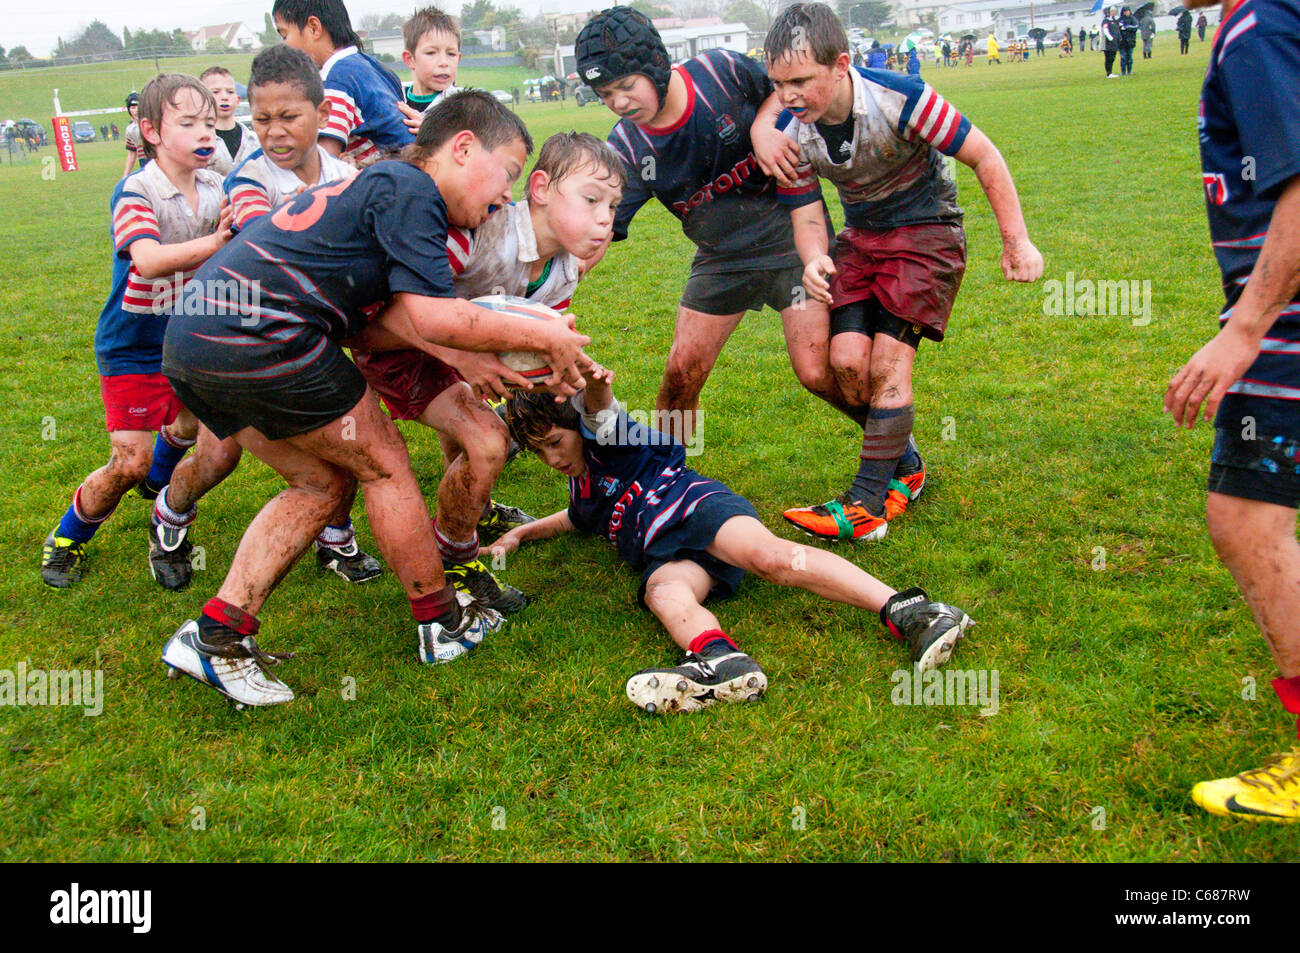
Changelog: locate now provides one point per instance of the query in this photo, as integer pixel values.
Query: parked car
(586, 94)
(501, 96)
(83, 131)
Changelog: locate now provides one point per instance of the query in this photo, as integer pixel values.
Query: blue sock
(73, 527)
(165, 457)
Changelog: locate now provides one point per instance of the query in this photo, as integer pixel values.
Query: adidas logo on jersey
(845, 149)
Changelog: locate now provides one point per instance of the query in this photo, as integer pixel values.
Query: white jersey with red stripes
(150, 206)
(129, 335)
(498, 256)
(894, 174)
(258, 185)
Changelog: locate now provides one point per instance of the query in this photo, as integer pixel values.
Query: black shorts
(732, 292)
(1256, 453)
(692, 536)
(279, 407)
(869, 317)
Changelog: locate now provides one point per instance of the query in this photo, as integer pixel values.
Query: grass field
(1063, 512)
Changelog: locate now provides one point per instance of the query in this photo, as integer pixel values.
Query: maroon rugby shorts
(913, 271)
(407, 381)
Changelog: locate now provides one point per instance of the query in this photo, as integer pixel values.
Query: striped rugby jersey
(1249, 126)
(258, 185)
(363, 100)
(704, 172)
(495, 258)
(129, 335)
(895, 175)
(637, 484)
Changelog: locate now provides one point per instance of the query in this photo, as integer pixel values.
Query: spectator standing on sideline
(1110, 41)
(1147, 27)
(913, 63)
(1184, 31)
(1201, 24)
(1128, 31)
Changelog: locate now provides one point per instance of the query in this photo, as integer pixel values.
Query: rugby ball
(529, 364)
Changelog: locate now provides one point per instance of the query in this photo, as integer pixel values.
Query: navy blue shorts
(689, 538)
(278, 408)
(1256, 453)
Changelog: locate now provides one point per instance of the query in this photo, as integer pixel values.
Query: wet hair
(161, 92)
(428, 20)
(475, 110)
(565, 153)
(332, 14)
(215, 71)
(530, 415)
(812, 29)
(284, 64)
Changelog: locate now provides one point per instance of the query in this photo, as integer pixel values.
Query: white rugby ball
(529, 364)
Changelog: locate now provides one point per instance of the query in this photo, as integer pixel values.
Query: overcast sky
(30, 25)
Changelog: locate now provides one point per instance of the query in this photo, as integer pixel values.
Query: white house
(1008, 19)
(236, 36)
(379, 42)
(976, 17)
(683, 42)
(911, 13)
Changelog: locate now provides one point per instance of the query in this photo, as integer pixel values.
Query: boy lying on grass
(692, 538)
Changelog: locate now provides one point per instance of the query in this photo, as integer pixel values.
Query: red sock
(231, 616)
(1288, 690)
(428, 607)
(706, 638)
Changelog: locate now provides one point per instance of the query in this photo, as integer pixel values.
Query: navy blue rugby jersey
(636, 486)
(1249, 124)
(703, 169)
(327, 259)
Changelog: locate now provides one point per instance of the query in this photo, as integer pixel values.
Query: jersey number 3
(286, 219)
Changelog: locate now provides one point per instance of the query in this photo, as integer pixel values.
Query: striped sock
(78, 527)
(455, 551)
(166, 514)
(884, 441)
(337, 536)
